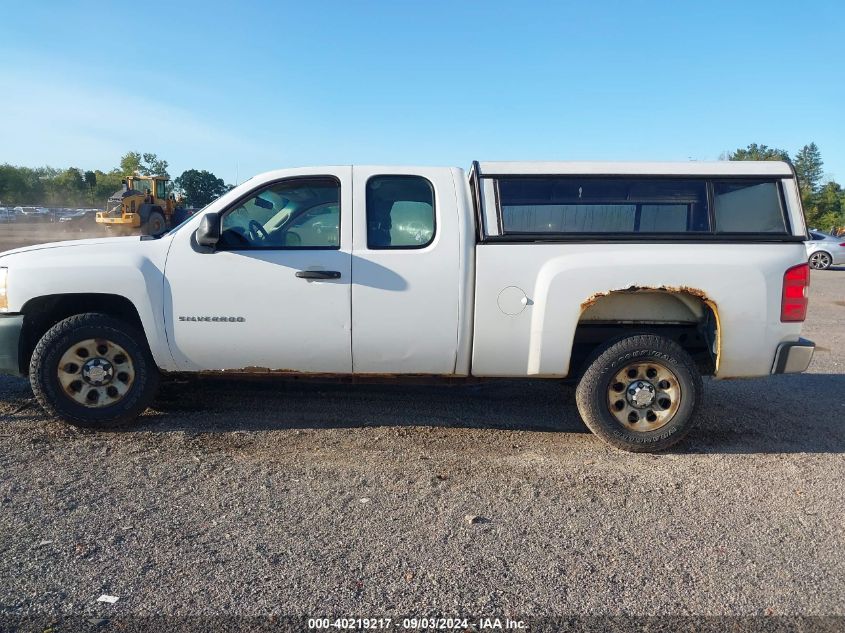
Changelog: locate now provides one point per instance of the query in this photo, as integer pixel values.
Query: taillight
(796, 284)
(842, 244)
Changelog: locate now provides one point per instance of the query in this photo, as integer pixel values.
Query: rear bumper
(10, 337)
(794, 357)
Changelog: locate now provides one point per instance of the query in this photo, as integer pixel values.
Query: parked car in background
(31, 214)
(81, 219)
(6, 215)
(65, 215)
(824, 251)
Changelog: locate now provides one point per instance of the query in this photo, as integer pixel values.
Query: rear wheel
(92, 370)
(640, 393)
(820, 260)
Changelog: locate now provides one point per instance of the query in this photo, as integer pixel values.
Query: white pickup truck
(634, 278)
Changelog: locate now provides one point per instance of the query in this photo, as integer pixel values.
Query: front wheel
(640, 393)
(92, 370)
(820, 260)
(156, 224)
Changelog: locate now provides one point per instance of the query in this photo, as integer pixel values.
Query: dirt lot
(26, 233)
(247, 498)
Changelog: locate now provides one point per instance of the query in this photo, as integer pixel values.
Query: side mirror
(208, 233)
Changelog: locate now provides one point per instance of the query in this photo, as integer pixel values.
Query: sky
(238, 88)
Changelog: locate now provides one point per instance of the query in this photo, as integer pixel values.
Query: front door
(275, 293)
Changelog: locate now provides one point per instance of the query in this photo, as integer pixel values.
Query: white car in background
(824, 251)
(30, 214)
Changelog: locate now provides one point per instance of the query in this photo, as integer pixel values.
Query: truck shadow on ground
(267, 404)
(780, 414)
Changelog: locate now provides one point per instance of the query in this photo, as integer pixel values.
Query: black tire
(594, 391)
(155, 224)
(59, 339)
(820, 260)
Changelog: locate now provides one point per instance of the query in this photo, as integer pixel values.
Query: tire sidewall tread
(148, 230)
(591, 392)
(54, 343)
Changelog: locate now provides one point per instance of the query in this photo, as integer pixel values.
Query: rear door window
(400, 212)
(748, 206)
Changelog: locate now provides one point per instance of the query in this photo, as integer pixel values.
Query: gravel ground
(248, 498)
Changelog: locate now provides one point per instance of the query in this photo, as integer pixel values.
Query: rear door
(405, 271)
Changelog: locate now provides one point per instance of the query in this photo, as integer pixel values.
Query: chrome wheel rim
(644, 396)
(96, 373)
(820, 260)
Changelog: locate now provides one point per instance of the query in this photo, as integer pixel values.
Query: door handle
(318, 274)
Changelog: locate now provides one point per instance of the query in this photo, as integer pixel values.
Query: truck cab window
(296, 213)
(400, 212)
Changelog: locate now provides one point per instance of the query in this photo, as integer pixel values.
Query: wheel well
(42, 313)
(685, 316)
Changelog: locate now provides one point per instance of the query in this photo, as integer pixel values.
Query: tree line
(823, 198)
(73, 187)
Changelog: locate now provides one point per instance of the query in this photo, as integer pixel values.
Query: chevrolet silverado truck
(635, 279)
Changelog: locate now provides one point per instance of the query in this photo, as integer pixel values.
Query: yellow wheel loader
(141, 203)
